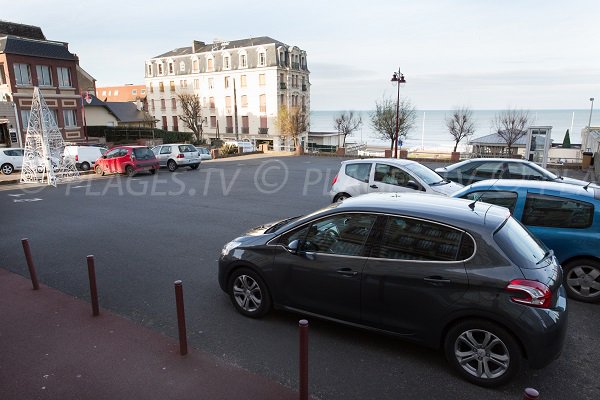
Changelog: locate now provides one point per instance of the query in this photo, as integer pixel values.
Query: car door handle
(346, 272)
(374, 186)
(436, 279)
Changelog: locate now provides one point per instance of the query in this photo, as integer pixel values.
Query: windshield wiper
(546, 255)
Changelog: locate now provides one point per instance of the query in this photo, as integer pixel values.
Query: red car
(127, 160)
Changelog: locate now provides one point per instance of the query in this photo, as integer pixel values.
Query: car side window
(113, 153)
(165, 150)
(392, 175)
(406, 238)
(156, 150)
(342, 234)
(497, 197)
(492, 170)
(522, 171)
(557, 212)
(359, 171)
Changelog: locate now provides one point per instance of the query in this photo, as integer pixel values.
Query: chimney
(196, 44)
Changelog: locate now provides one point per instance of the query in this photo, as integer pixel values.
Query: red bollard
(30, 265)
(181, 318)
(93, 289)
(303, 325)
(531, 394)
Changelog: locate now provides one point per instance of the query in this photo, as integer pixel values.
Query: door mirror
(293, 246)
(104, 156)
(413, 185)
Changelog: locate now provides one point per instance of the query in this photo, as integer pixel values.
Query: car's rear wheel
(85, 166)
(341, 197)
(582, 278)
(7, 169)
(99, 170)
(129, 170)
(249, 294)
(172, 165)
(152, 171)
(483, 352)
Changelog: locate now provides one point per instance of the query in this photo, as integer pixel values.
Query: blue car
(566, 218)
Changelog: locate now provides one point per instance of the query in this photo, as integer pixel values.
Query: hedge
(123, 135)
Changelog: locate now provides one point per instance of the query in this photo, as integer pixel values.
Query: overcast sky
(484, 54)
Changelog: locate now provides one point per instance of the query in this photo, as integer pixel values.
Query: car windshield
(520, 245)
(143, 153)
(424, 173)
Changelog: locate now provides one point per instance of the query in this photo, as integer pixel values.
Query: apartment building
(241, 84)
(27, 60)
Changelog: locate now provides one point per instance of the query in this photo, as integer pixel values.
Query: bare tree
(347, 123)
(511, 126)
(460, 124)
(192, 113)
(383, 119)
(292, 121)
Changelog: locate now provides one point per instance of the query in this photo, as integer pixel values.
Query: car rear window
(358, 171)
(519, 244)
(186, 148)
(143, 153)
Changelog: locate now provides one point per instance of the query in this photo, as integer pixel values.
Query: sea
(429, 132)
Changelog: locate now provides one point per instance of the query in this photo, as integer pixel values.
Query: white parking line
(16, 195)
(26, 200)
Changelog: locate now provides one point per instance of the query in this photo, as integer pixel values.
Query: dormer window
(226, 62)
(262, 59)
(195, 67)
(243, 61)
(182, 66)
(160, 69)
(171, 68)
(210, 66)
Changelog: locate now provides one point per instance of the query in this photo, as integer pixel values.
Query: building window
(22, 74)
(226, 63)
(150, 86)
(25, 117)
(211, 83)
(281, 99)
(172, 86)
(183, 84)
(116, 92)
(44, 75)
(171, 69)
(143, 91)
(262, 59)
(175, 123)
(161, 87)
(70, 118)
(244, 101)
(152, 104)
(162, 104)
(196, 83)
(160, 69)
(149, 69)
(261, 79)
(134, 92)
(64, 76)
(243, 61)
(182, 66)
(243, 81)
(210, 65)
(263, 103)
(164, 122)
(2, 75)
(174, 103)
(211, 100)
(194, 65)
(227, 104)
(104, 93)
(213, 121)
(226, 82)
(54, 115)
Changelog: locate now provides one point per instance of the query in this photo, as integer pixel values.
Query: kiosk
(539, 141)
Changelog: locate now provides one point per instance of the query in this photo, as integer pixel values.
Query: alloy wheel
(482, 354)
(247, 293)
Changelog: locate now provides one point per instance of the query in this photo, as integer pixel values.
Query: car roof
(498, 159)
(452, 211)
(548, 187)
(397, 161)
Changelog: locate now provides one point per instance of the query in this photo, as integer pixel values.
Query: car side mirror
(103, 156)
(293, 246)
(412, 185)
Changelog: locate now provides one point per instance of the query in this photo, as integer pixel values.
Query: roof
(545, 186)
(224, 45)
(397, 161)
(123, 111)
(21, 30)
(448, 210)
(35, 48)
(496, 139)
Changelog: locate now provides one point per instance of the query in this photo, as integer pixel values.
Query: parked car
(203, 153)
(127, 160)
(357, 177)
(565, 217)
(427, 268)
(11, 159)
(479, 169)
(84, 157)
(177, 155)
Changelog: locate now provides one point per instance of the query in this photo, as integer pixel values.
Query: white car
(84, 157)
(357, 177)
(203, 153)
(11, 159)
(175, 155)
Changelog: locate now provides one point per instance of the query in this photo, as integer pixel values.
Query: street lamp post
(591, 109)
(397, 77)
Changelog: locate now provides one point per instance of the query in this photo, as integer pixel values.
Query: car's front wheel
(99, 170)
(129, 170)
(248, 292)
(483, 352)
(172, 165)
(7, 169)
(582, 278)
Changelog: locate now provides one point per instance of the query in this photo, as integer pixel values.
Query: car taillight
(334, 180)
(531, 293)
(76, 157)
(180, 155)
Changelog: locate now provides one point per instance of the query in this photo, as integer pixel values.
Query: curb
(12, 181)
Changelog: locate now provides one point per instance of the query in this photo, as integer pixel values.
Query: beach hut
(493, 145)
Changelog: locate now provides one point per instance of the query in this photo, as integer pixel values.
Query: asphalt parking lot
(149, 231)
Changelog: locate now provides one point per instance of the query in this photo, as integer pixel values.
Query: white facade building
(241, 84)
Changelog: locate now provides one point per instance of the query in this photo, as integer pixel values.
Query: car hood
(573, 181)
(447, 188)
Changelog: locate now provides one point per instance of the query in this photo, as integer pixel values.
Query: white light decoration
(43, 160)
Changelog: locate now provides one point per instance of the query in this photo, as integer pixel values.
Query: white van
(84, 156)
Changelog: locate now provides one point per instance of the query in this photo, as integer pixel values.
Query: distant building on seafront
(241, 84)
(27, 60)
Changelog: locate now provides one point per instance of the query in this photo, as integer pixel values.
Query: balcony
(245, 129)
(304, 88)
(263, 131)
(229, 129)
(282, 85)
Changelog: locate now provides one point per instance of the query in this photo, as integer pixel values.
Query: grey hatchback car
(450, 273)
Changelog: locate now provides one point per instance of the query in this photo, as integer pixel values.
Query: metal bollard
(531, 394)
(30, 265)
(181, 318)
(93, 288)
(303, 325)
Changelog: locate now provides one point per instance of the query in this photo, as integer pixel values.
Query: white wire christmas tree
(43, 160)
